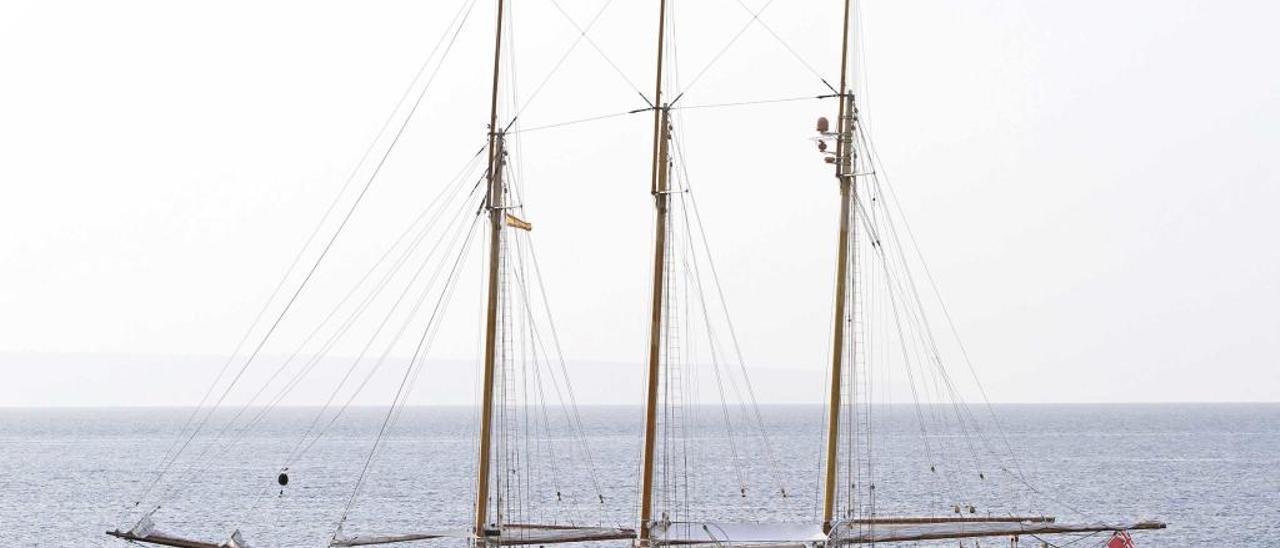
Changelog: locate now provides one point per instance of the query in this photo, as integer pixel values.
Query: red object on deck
(1120, 540)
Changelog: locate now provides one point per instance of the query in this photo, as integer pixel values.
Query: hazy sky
(1092, 182)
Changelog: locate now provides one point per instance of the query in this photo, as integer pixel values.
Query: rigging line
(452, 189)
(538, 345)
(565, 56)
(925, 332)
(232, 357)
(945, 310)
(592, 43)
(297, 258)
(293, 456)
(1081, 538)
(293, 383)
(260, 416)
(960, 410)
(869, 348)
(927, 338)
(504, 432)
(573, 418)
(737, 347)
(724, 306)
(692, 272)
(447, 292)
(849, 429)
(432, 331)
(355, 315)
(688, 418)
(387, 277)
(899, 290)
(564, 371)
(754, 17)
(692, 269)
(191, 469)
(400, 395)
(303, 445)
(715, 367)
(311, 237)
(575, 122)
(446, 295)
(933, 284)
(688, 458)
(894, 308)
(821, 458)
(753, 102)
(532, 475)
(541, 398)
(845, 383)
(320, 259)
(677, 369)
(794, 53)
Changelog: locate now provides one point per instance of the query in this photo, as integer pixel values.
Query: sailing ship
(848, 500)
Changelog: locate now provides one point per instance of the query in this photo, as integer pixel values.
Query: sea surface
(1212, 471)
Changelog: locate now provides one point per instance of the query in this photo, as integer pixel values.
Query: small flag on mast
(1120, 539)
(516, 222)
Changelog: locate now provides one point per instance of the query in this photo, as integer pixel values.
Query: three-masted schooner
(847, 515)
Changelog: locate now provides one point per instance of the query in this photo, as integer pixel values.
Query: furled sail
(145, 531)
(391, 539)
(508, 535)
(880, 530)
(163, 540)
(709, 532)
(904, 532)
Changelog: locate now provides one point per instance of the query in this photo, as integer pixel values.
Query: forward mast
(494, 203)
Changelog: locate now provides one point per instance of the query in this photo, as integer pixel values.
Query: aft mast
(495, 207)
(658, 189)
(848, 195)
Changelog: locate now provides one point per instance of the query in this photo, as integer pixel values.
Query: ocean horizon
(1207, 469)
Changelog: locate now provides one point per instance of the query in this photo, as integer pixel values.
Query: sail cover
(898, 530)
(510, 535)
(389, 539)
(163, 540)
(707, 532)
(867, 534)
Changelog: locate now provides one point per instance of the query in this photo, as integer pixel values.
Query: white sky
(1092, 182)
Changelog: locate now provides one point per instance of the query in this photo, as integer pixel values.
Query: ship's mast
(848, 197)
(495, 207)
(658, 188)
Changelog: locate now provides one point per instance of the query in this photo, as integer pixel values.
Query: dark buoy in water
(283, 479)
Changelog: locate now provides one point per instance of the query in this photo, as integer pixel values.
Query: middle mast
(495, 205)
(661, 198)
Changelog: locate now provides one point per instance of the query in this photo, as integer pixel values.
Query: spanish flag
(516, 222)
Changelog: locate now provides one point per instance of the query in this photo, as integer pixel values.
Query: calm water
(1211, 471)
